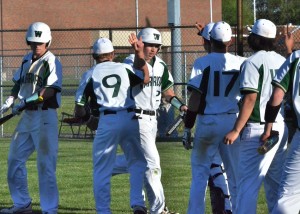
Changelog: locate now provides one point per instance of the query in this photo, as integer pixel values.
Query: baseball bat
(175, 124)
(11, 115)
(6, 118)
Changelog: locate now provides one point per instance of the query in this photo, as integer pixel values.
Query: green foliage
(279, 11)
(229, 12)
(74, 177)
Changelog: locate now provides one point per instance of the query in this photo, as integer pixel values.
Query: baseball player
(255, 86)
(148, 99)
(213, 100)
(286, 81)
(217, 182)
(111, 84)
(40, 75)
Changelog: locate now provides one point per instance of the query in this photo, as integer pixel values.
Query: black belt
(35, 108)
(260, 123)
(105, 112)
(147, 112)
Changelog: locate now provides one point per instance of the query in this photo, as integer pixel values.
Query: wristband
(271, 113)
(190, 119)
(176, 102)
(33, 99)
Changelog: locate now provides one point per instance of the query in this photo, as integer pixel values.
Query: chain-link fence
(181, 46)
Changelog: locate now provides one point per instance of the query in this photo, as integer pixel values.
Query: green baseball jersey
(257, 73)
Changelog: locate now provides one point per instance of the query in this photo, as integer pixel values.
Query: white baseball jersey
(33, 76)
(110, 82)
(257, 73)
(288, 78)
(36, 131)
(148, 97)
(218, 84)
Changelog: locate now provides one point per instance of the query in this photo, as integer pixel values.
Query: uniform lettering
(38, 33)
(154, 81)
(156, 36)
(229, 85)
(116, 86)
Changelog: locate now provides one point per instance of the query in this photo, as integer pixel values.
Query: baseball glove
(92, 123)
(269, 143)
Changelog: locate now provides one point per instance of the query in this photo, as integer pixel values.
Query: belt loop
(141, 114)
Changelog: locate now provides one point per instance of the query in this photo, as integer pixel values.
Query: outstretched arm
(139, 59)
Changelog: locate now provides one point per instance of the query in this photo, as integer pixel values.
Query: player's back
(257, 73)
(217, 78)
(111, 85)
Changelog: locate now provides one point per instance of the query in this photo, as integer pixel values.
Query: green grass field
(74, 174)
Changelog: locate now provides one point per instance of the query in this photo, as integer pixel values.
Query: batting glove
(17, 109)
(8, 103)
(186, 139)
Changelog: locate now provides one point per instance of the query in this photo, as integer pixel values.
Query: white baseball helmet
(150, 35)
(221, 31)
(264, 28)
(206, 30)
(39, 32)
(103, 46)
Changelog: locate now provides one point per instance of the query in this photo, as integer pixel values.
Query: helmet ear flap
(48, 44)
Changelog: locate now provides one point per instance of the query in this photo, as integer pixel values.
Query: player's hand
(8, 103)
(186, 139)
(199, 27)
(231, 137)
(265, 136)
(17, 109)
(289, 43)
(136, 43)
(183, 108)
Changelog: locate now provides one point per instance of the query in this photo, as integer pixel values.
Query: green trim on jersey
(88, 92)
(165, 83)
(47, 73)
(286, 83)
(134, 79)
(255, 115)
